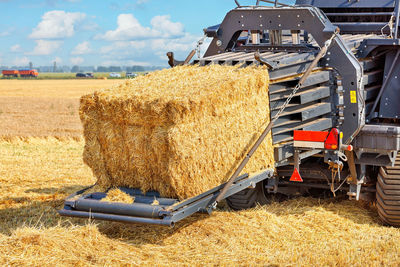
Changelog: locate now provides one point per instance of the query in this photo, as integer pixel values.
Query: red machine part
(28, 73)
(317, 139)
(332, 141)
(296, 177)
(10, 73)
(310, 136)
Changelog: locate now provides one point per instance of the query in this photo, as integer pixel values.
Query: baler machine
(334, 91)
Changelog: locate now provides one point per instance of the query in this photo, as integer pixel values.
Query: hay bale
(116, 195)
(179, 131)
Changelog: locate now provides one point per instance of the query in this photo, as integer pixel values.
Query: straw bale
(116, 195)
(179, 131)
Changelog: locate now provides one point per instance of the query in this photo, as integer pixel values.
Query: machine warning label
(353, 97)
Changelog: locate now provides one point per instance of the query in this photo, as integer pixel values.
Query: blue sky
(90, 32)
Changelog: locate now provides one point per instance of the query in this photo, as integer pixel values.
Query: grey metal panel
(198, 197)
(367, 14)
(372, 63)
(313, 79)
(288, 120)
(368, 107)
(378, 41)
(284, 153)
(303, 96)
(136, 209)
(295, 58)
(374, 159)
(346, 3)
(351, 71)
(389, 103)
(313, 21)
(371, 92)
(378, 136)
(300, 125)
(308, 111)
(205, 202)
(367, 27)
(372, 76)
(369, 45)
(261, 19)
(288, 71)
(315, 125)
(114, 217)
(148, 214)
(288, 47)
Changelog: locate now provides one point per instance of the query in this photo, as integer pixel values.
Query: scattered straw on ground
(35, 176)
(116, 195)
(178, 131)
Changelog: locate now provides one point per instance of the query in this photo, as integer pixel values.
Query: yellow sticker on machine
(353, 97)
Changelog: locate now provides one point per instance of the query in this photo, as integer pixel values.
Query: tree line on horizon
(76, 68)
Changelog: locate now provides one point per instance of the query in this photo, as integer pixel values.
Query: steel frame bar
(158, 214)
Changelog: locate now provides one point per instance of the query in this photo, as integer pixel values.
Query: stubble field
(43, 108)
(41, 163)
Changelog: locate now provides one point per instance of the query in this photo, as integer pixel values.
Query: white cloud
(76, 60)
(57, 24)
(122, 46)
(4, 34)
(166, 28)
(58, 60)
(82, 48)
(124, 63)
(15, 48)
(129, 28)
(133, 42)
(21, 61)
(141, 2)
(186, 43)
(153, 50)
(45, 47)
(88, 26)
(55, 2)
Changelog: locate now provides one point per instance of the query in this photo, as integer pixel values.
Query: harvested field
(40, 117)
(52, 88)
(37, 174)
(43, 108)
(180, 137)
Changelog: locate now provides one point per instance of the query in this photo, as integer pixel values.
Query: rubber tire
(248, 198)
(388, 194)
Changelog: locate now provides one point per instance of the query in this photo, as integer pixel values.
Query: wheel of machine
(388, 194)
(248, 198)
